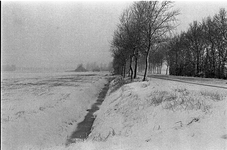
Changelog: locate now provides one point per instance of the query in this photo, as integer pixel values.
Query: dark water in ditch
(84, 128)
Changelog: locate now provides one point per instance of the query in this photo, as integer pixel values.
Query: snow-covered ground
(155, 114)
(160, 114)
(39, 110)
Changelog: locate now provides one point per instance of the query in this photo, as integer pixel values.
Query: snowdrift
(159, 114)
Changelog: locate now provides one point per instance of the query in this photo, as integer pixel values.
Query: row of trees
(98, 67)
(144, 38)
(143, 29)
(201, 50)
(94, 67)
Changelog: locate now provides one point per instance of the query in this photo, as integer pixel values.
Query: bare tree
(128, 41)
(195, 36)
(118, 53)
(202, 50)
(158, 21)
(138, 22)
(220, 23)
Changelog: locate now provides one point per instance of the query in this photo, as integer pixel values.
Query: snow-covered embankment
(160, 114)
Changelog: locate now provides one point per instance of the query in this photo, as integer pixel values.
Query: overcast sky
(64, 34)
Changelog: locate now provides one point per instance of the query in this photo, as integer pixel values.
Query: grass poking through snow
(183, 99)
(213, 95)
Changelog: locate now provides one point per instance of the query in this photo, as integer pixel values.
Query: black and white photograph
(113, 75)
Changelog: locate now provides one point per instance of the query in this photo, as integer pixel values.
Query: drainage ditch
(84, 128)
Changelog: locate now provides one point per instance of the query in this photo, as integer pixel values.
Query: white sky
(63, 34)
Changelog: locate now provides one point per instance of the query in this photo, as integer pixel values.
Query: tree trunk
(130, 66)
(146, 66)
(124, 70)
(206, 71)
(213, 61)
(197, 63)
(219, 69)
(167, 68)
(161, 68)
(176, 65)
(135, 69)
(223, 70)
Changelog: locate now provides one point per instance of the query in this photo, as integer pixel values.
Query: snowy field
(40, 110)
(151, 115)
(160, 115)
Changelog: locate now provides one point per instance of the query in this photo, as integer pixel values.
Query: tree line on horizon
(144, 40)
(93, 66)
